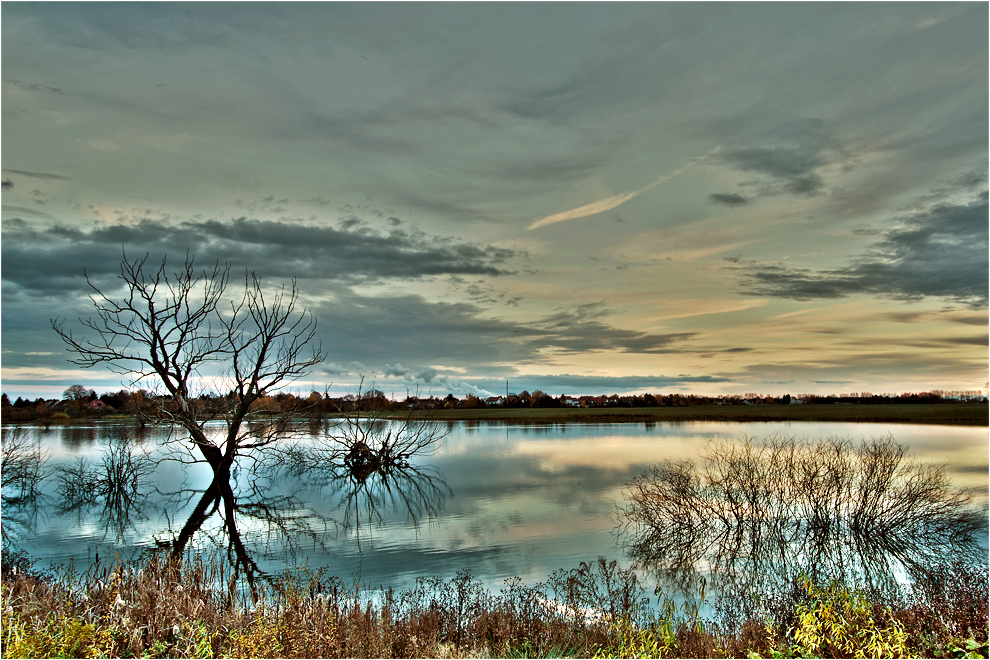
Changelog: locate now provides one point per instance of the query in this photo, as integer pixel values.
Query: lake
(495, 499)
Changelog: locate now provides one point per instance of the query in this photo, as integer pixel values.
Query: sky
(581, 198)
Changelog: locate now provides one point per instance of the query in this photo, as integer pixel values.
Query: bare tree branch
(166, 327)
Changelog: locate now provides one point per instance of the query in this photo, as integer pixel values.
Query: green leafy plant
(837, 622)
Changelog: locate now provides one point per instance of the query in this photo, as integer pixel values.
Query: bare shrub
(752, 514)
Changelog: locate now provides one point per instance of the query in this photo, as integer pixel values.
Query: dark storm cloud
(728, 199)
(939, 252)
(53, 259)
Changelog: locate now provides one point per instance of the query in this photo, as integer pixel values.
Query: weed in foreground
(162, 608)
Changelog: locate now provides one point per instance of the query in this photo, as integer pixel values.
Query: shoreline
(962, 414)
(946, 414)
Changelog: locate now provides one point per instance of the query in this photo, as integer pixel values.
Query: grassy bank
(964, 414)
(961, 414)
(158, 608)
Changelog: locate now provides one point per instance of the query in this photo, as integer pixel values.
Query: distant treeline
(80, 402)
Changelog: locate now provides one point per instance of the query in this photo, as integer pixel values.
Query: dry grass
(162, 608)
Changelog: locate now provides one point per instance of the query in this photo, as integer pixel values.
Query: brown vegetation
(163, 608)
(755, 512)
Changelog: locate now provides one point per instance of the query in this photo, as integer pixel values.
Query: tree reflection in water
(752, 515)
(117, 486)
(364, 463)
(22, 469)
(362, 467)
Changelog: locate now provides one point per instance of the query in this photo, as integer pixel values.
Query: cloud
(37, 175)
(593, 385)
(610, 203)
(354, 368)
(396, 370)
(788, 152)
(583, 328)
(7, 184)
(53, 259)
(426, 374)
(728, 199)
(794, 167)
(397, 329)
(600, 206)
(555, 384)
(939, 252)
(34, 87)
(23, 210)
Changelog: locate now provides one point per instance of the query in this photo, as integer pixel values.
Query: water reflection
(752, 515)
(78, 436)
(22, 469)
(360, 471)
(254, 519)
(241, 515)
(116, 486)
(362, 467)
(527, 502)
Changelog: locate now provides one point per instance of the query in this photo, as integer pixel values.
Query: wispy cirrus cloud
(37, 175)
(609, 203)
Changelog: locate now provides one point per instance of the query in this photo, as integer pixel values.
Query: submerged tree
(171, 327)
(175, 328)
(363, 461)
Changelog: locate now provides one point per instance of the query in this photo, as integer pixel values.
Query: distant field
(965, 414)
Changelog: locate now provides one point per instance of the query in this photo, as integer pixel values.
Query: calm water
(499, 500)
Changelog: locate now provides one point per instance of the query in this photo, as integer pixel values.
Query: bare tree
(169, 327)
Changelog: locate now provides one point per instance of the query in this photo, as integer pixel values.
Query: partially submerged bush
(755, 512)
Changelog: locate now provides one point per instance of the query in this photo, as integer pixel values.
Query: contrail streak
(610, 203)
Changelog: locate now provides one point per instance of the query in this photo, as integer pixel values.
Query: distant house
(96, 404)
